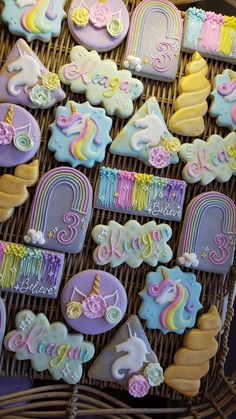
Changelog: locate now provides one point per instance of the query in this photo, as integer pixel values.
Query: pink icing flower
(100, 15)
(138, 386)
(159, 157)
(153, 289)
(7, 133)
(94, 306)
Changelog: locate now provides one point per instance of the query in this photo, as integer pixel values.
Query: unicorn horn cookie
(191, 362)
(13, 192)
(191, 105)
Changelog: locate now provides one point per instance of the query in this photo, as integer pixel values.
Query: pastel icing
(140, 194)
(170, 300)
(147, 138)
(191, 105)
(49, 346)
(212, 242)
(19, 135)
(61, 210)
(25, 81)
(153, 50)
(80, 134)
(2, 321)
(34, 19)
(101, 82)
(223, 95)
(211, 34)
(29, 271)
(93, 302)
(209, 160)
(99, 25)
(132, 243)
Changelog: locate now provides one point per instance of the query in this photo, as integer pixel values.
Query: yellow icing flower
(74, 309)
(51, 81)
(171, 144)
(80, 16)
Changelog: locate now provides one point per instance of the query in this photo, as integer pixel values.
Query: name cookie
(223, 106)
(30, 271)
(205, 245)
(25, 81)
(147, 138)
(34, 19)
(61, 211)
(170, 300)
(209, 160)
(93, 302)
(80, 134)
(153, 51)
(2, 322)
(140, 194)
(101, 82)
(98, 24)
(49, 346)
(132, 243)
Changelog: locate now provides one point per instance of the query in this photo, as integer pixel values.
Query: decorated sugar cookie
(209, 243)
(223, 106)
(209, 160)
(34, 19)
(19, 135)
(147, 138)
(98, 24)
(93, 302)
(80, 134)
(25, 81)
(30, 271)
(2, 322)
(101, 81)
(153, 49)
(170, 300)
(61, 210)
(49, 346)
(132, 243)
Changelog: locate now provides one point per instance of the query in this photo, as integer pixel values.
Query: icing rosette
(74, 309)
(23, 142)
(138, 386)
(172, 144)
(94, 306)
(7, 132)
(159, 157)
(113, 314)
(100, 15)
(115, 27)
(51, 81)
(154, 374)
(153, 289)
(80, 16)
(40, 95)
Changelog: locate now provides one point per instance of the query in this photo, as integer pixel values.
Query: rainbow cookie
(98, 24)
(223, 106)
(2, 321)
(154, 40)
(132, 243)
(93, 302)
(212, 243)
(147, 138)
(34, 19)
(60, 211)
(25, 81)
(191, 105)
(101, 81)
(80, 134)
(170, 300)
(49, 346)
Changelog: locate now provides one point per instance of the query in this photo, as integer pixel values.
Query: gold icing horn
(10, 115)
(164, 274)
(96, 286)
(72, 107)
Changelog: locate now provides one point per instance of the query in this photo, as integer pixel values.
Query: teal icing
(193, 26)
(107, 186)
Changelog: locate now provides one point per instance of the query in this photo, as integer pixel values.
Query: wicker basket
(217, 393)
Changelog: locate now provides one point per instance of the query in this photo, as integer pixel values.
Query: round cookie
(19, 135)
(93, 302)
(98, 24)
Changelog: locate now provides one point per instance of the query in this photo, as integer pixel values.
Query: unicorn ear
(177, 281)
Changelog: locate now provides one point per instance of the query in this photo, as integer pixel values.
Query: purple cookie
(19, 135)
(93, 302)
(98, 24)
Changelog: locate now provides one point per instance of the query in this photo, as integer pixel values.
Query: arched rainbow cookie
(61, 210)
(34, 19)
(98, 24)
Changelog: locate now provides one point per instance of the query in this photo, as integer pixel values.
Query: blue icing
(178, 300)
(80, 134)
(194, 21)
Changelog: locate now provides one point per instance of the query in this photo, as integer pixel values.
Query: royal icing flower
(115, 28)
(23, 142)
(74, 309)
(172, 144)
(159, 157)
(153, 289)
(80, 16)
(138, 386)
(154, 374)
(51, 81)
(40, 95)
(7, 133)
(113, 314)
(94, 306)
(100, 15)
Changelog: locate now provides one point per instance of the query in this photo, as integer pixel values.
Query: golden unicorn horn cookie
(191, 362)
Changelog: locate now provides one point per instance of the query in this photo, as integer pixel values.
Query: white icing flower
(133, 63)
(188, 260)
(154, 374)
(34, 237)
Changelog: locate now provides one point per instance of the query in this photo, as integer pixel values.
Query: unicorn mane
(35, 19)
